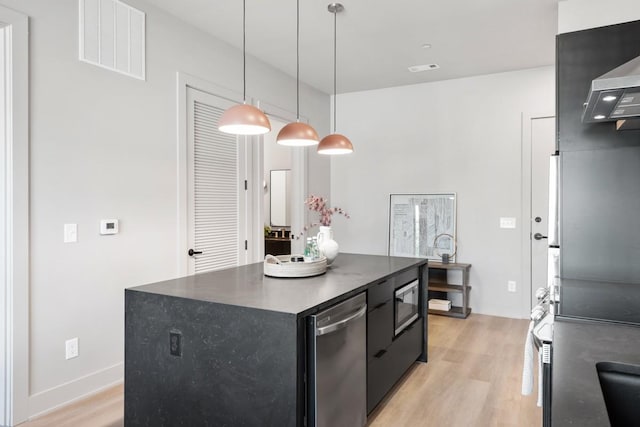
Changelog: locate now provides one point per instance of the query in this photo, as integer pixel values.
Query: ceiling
(378, 40)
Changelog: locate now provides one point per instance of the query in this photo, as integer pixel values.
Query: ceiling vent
(426, 67)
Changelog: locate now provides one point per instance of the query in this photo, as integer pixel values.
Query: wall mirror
(280, 198)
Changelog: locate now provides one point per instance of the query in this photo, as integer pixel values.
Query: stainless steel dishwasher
(338, 365)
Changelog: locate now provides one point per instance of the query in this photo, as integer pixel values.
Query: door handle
(539, 236)
(192, 252)
(342, 323)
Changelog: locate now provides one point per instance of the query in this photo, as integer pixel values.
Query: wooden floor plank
(472, 379)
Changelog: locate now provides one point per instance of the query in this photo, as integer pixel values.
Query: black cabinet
(387, 366)
(379, 379)
(379, 294)
(277, 246)
(390, 356)
(380, 329)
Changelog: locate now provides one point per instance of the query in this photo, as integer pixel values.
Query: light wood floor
(472, 379)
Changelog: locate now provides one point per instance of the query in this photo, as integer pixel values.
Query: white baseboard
(64, 394)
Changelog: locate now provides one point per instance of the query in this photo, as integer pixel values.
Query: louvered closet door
(217, 199)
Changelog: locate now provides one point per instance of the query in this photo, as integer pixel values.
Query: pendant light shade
(244, 119)
(297, 134)
(335, 143)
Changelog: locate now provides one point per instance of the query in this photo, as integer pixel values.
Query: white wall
(575, 15)
(104, 146)
(460, 136)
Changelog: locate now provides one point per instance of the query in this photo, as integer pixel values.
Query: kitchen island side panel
(238, 366)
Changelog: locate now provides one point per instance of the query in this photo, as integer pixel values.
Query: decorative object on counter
(282, 266)
(319, 204)
(335, 143)
(297, 134)
(417, 220)
(451, 247)
(311, 251)
(328, 247)
(244, 119)
(267, 231)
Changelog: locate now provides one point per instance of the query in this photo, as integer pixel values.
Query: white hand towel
(527, 368)
(540, 367)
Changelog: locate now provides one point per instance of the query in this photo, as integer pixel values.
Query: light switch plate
(70, 233)
(507, 222)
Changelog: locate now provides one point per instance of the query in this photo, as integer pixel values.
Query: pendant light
(244, 119)
(297, 134)
(335, 143)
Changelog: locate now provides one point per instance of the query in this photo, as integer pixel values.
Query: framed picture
(422, 225)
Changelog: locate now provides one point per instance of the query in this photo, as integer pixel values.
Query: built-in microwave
(406, 306)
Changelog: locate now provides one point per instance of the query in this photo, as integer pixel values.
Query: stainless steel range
(542, 315)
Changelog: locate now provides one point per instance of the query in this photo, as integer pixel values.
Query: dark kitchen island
(229, 348)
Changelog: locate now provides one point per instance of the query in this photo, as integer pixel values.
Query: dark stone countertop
(577, 346)
(246, 286)
(618, 302)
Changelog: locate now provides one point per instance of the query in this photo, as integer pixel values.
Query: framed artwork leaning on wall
(416, 220)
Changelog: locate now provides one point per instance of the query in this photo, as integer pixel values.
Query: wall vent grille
(112, 36)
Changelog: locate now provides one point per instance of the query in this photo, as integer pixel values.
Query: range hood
(615, 96)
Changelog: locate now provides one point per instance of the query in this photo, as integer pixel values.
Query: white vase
(328, 247)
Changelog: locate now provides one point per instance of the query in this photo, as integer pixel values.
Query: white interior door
(217, 195)
(5, 333)
(542, 147)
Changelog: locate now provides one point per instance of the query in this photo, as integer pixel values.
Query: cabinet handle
(382, 304)
(379, 354)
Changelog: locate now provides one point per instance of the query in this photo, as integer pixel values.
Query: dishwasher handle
(341, 323)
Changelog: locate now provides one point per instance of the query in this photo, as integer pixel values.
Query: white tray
(281, 266)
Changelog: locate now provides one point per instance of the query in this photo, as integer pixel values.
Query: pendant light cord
(335, 66)
(244, 51)
(298, 60)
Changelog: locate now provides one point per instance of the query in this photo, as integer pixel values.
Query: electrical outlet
(175, 344)
(71, 348)
(511, 286)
